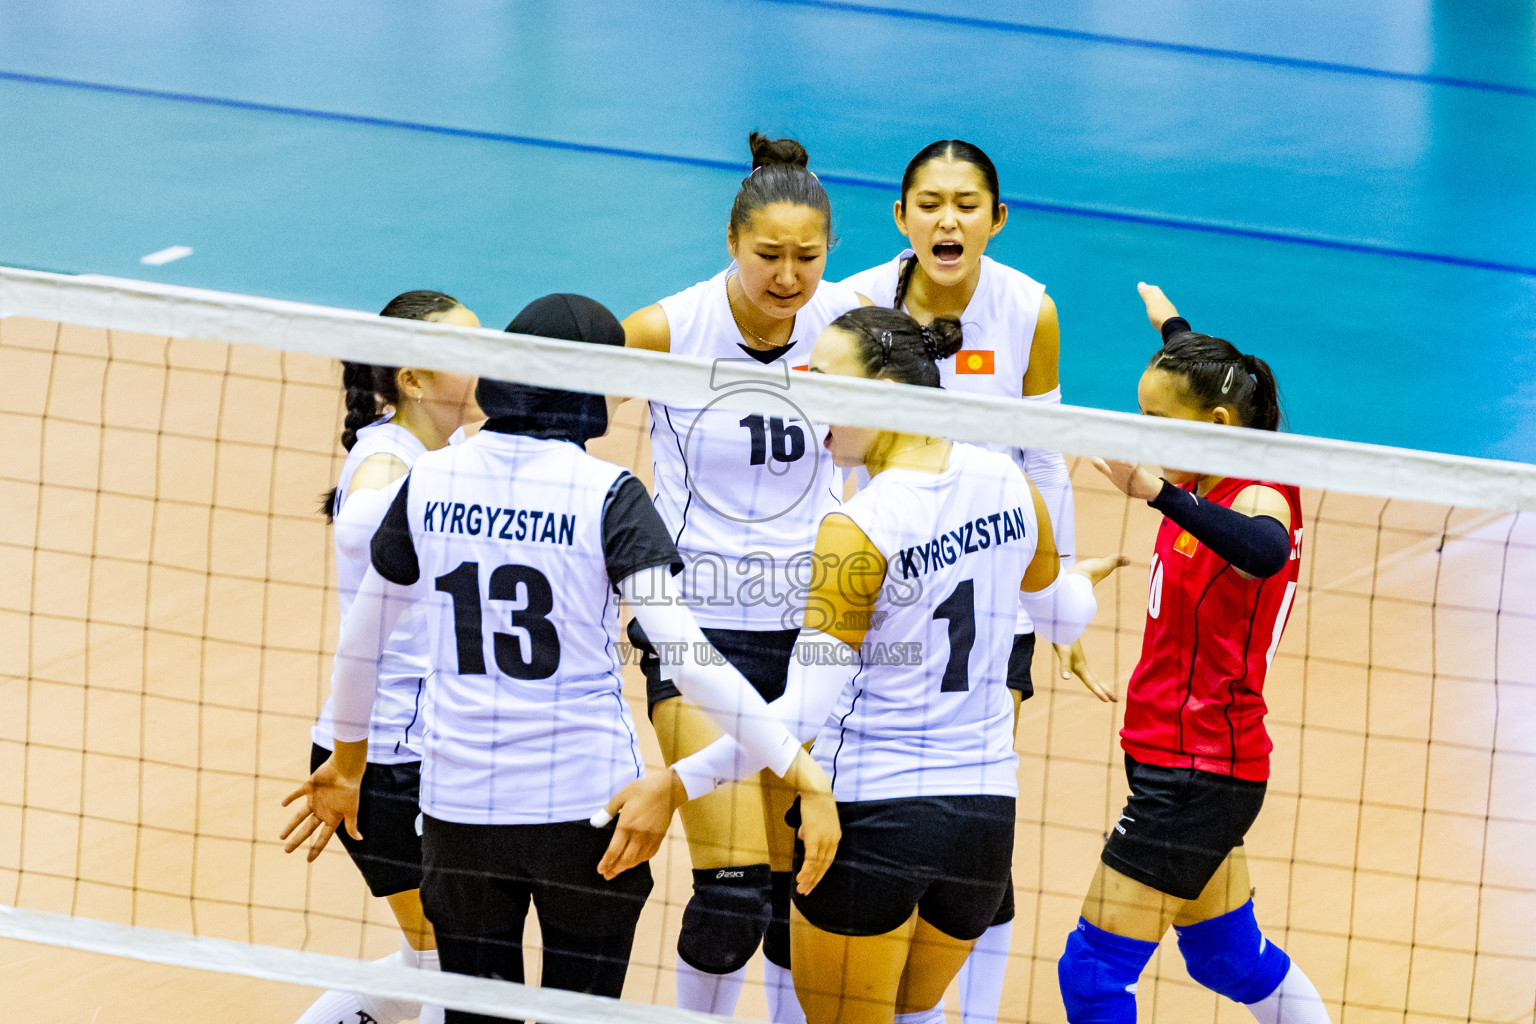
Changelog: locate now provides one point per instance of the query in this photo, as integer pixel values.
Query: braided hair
(893, 345)
(371, 389)
(1215, 373)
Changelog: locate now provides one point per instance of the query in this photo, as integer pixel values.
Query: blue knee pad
(1098, 974)
(1227, 954)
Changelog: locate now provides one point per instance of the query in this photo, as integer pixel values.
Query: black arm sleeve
(634, 537)
(394, 554)
(1256, 545)
(1175, 326)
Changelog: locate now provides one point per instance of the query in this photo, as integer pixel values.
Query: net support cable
(319, 970)
(177, 312)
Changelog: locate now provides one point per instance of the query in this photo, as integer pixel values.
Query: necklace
(741, 326)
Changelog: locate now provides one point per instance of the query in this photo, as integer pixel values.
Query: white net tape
(1363, 469)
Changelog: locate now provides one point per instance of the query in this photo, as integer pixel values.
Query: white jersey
(928, 712)
(998, 332)
(998, 326)
(743, 494)
(394, 732)
(526, 722)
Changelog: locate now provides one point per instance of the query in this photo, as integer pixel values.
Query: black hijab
(545, 412)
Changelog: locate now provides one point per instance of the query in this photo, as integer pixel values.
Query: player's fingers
(350, 820)
(818, 858)
(301, 791)
(1102, 466)
(321, 838)
(605, 867)
(294, 823)
(305, 830)
(627, 857)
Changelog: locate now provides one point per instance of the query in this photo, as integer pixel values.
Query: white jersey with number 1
(998, 335)
(744, 494)
(928, 712)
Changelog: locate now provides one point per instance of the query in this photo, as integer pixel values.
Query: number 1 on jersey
(959, 608)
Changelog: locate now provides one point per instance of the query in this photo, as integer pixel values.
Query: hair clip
(885, 347)
(1226, 385)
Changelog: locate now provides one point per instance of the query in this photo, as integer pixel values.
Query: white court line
(168, 255)
(317, 970)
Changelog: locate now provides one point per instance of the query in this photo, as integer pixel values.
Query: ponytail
(892, 345)
(1266, 395)
(780, 174)
(1215, 373)
(369, 388)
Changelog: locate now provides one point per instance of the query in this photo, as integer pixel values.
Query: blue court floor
(1345, 187)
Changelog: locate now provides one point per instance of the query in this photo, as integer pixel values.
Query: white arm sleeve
(1062, 610)
(360, 515)
(1049, 472)
(364, 634)
(718, 689)
(810, 694)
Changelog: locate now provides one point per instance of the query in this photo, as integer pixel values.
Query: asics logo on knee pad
(722, 873)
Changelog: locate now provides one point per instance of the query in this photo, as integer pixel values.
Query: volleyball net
(170, 612)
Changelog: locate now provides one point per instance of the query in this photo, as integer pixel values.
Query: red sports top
(1196, 699)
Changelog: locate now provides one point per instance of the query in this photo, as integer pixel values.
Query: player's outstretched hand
(330, 802)
(820, 829)
(1142, 480)
(1075, 663)
(1159, 309)
(644, 809)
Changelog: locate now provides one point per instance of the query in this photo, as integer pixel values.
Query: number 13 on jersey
(520, 584)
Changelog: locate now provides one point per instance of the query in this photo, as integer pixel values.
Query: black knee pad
(725, 920)
(776, 938)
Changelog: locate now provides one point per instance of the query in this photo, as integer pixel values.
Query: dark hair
(369, 388)
(893, 345)
(944, 149)
(1215, 373)
(779, 175)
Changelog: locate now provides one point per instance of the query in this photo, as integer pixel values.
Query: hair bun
(767, 152)
(942, 338)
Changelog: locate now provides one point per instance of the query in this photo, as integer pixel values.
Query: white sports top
(394, 733)
(526, 721)
(998, 325)
(743, 495)
(928, 712)
(998, 328)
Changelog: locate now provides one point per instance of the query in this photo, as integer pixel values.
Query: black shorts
(389, 854)
(948, 857)
(479, 879)
(1020, 659)
(1179, 825)
(762, 655)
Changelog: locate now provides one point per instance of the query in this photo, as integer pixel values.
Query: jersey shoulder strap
(879, 281)
(383, 437)
(688, 313)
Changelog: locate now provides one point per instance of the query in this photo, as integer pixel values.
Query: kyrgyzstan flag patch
(973, 360)
(1185, 544)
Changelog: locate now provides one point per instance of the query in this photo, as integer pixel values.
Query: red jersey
(1196, 699)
